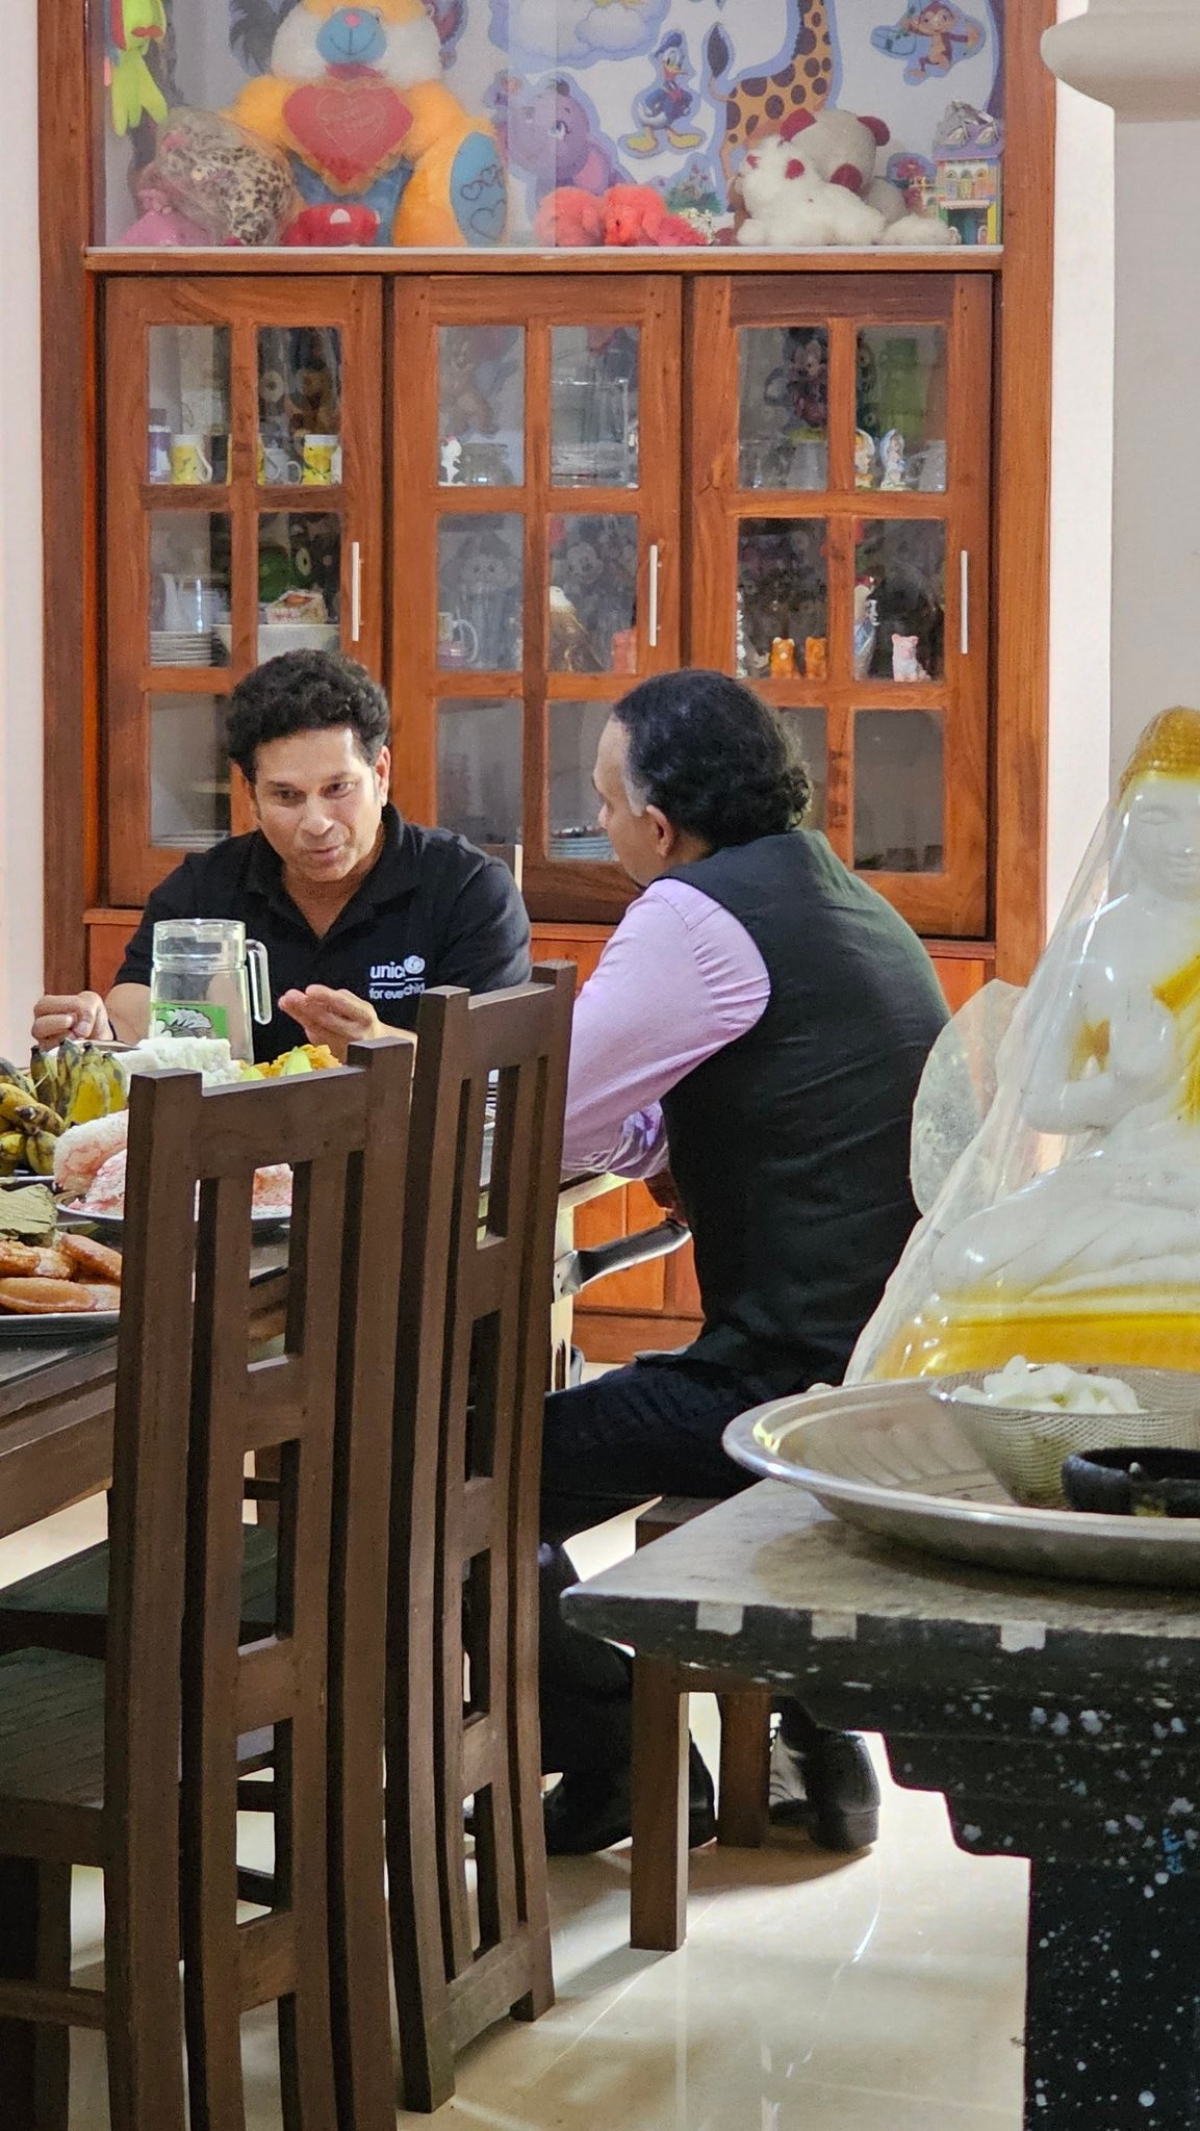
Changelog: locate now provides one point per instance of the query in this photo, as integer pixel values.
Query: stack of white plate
(577, 844)
(180, 647)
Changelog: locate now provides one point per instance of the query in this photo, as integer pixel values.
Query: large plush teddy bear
(813, 183)
(355, 98)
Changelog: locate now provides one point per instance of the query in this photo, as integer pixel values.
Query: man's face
(318, 803)
(636, 838)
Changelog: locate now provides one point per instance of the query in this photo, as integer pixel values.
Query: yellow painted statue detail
(1069, 1228)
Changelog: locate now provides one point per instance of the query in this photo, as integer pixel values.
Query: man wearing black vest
(758, 1024)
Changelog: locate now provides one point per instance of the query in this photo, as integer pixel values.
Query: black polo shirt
(432, 910)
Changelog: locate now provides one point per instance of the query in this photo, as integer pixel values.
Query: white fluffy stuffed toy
(788, 205)
(813, 183)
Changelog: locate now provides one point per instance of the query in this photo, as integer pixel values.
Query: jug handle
(260, 981)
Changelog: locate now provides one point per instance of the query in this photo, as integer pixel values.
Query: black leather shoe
(589, 1810)
(829, 1788)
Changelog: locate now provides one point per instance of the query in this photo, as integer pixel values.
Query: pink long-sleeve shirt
(679, 979)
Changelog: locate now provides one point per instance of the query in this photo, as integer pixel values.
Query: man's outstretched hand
(334, 1017)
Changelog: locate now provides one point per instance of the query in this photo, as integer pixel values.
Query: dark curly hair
(713, 757)
(301, 692)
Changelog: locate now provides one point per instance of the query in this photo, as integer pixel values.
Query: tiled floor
(879, 1994)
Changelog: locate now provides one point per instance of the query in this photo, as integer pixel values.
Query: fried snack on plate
(90, 1260)
(100, 1295)
(43, 1298)
(54, 1264)
(35, 1261)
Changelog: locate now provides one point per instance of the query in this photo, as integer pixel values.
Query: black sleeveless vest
(790, 1147)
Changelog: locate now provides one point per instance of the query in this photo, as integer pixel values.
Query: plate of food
(65, 1287)
(89, 1175)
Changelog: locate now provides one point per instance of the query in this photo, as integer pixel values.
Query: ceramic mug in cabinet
(322, 462)
(276, 466)
(190, 467)
(458, 641)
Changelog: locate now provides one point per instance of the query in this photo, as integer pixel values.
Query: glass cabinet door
(243, 520)
(540, 442)
(841, 544)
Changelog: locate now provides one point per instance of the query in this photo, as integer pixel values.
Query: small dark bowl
(1134, 1483)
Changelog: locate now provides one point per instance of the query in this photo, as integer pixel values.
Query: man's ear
(666, 835)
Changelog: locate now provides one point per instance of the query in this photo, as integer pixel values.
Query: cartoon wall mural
(663, 111)
(592, 94)
(576, 31)
(931, 38)
(757, 102)
(550, 136)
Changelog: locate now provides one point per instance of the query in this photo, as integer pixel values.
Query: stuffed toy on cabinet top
(356, 99)
(812, 183)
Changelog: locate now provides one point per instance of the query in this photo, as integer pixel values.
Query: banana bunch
(70, 1086)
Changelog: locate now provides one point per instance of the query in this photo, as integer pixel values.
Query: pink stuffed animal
(624, 215)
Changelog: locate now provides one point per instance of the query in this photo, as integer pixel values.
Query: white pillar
(20, 536)
(1144, 62)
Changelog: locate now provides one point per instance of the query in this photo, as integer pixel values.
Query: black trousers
(650, 1429)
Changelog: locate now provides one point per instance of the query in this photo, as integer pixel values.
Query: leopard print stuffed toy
(221, 177)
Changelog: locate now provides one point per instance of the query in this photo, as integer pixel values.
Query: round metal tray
(890, 1459)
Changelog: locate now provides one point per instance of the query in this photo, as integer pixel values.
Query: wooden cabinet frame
(352, 306)
(74, 353)
(652, 304)
(954, 901)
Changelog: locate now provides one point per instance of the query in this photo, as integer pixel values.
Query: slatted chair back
(471, 1372)
(192, 1403)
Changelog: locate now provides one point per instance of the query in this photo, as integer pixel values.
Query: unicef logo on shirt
(396, 980)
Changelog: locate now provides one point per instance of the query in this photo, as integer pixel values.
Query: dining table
(56, 1394)
(1060, 1721)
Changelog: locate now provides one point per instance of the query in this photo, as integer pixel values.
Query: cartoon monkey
(945, 26)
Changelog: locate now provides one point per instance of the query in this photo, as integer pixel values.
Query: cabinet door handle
(652, 632)
(355, 591)
(964, 620)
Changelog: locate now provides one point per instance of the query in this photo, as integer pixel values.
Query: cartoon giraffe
(757, 103)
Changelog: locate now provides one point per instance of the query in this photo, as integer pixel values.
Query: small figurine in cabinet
(866, 626)
(783, 658)
(864, 459)
(816, 658)
(450, 453)
(893, 461)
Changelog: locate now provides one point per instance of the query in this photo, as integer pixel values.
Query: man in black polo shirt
(358, 910)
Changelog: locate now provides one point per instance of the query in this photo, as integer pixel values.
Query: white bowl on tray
(274, 638)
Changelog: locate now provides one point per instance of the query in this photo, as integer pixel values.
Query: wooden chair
(658, 1879)
(471, 1371)
(91, 1752)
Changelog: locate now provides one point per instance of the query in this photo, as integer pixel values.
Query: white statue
(450, 453)
(1076, 1210)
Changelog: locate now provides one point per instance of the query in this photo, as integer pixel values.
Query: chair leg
(745, 1767)
(35, 1943)
(659, 1788)
(414, 1912)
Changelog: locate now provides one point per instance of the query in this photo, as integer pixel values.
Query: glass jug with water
(204, 977)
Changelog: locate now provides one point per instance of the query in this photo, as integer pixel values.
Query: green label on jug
(189, 1017)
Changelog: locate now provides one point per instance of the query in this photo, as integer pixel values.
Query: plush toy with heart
(356, 100)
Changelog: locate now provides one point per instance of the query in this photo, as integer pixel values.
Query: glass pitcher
(204, 975)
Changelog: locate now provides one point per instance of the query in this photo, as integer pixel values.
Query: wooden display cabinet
(243, 464)
(537, 516)
(840, 556)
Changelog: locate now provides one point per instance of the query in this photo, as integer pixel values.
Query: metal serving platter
(890, 1459)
